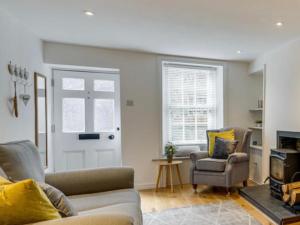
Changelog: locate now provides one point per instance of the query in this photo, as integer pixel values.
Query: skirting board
(144, 186)
(140, 187)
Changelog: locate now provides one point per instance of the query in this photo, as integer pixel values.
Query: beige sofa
(101, 196)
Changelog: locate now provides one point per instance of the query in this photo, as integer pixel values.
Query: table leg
(171, 178)
(179, 176)
(167, 176)
(158, 177)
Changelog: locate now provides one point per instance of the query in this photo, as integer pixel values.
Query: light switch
(129, 103)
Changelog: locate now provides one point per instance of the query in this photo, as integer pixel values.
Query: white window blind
(191, 102)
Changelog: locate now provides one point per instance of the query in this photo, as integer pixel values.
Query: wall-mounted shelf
(256, 110)
(258, 147)
(256, 128)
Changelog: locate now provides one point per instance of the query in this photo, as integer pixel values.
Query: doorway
(86, 116)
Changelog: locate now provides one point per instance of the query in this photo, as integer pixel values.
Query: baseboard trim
(144, 186)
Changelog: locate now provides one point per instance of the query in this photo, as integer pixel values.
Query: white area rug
(222, 213)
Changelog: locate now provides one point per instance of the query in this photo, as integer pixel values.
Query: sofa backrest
(21, 160)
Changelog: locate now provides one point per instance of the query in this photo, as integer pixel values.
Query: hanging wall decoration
(19, 77)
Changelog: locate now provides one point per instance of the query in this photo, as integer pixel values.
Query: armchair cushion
(223, 148)
(228, 135)
(210, 164)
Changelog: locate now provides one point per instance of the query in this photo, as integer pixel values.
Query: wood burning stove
(284, 161)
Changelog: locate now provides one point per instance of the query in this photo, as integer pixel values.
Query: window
(73, 84)
(192, 101)
(73, 110)
(104, 85)
(104, 115)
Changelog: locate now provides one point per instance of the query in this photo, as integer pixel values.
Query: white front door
(86, 119)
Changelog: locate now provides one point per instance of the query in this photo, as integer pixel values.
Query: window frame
(164, 93)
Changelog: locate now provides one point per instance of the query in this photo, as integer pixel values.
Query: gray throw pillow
(58, 200)
(21, 160)
(223, 148)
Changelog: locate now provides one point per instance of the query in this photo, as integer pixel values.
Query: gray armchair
(223, 172)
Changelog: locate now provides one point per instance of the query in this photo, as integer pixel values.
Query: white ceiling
(198, 28)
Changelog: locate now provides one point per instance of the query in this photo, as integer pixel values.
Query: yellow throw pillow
(4, 181)
(25, 202)
(227, 135)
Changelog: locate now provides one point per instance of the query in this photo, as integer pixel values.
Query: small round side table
(169, 175)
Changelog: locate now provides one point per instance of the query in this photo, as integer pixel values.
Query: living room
(107, 91)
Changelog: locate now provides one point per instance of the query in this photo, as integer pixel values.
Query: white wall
(141, 82)
(282, 105)
(19, 45)
(239, 97)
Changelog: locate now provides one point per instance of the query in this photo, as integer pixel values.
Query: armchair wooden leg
(228, 191)
(245, 183)
(195, 187)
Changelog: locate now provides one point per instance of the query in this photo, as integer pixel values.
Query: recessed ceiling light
(238, 52)
(279, 24)
(88, 13)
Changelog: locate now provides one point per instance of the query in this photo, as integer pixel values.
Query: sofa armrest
(95, 219)
(92, 181)
(198, 155)
(238, 157)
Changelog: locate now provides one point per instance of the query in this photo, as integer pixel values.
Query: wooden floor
(163, 199)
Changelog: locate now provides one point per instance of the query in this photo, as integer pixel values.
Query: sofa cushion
(210, 164)
(102, 199)
(25, 202)
(123, 202)
(21, 160)
(126, 209)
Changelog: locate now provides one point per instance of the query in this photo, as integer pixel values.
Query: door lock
(111, 137)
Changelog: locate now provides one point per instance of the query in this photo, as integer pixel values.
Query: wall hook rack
(19, 76)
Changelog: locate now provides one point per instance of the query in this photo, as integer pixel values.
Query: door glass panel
(104, 115)
(73, 110)
(73, 84)
(104, 85)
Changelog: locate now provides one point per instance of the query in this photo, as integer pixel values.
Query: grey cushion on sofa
(58, 200)
(21, 160)
(124, 202)
(210, 164)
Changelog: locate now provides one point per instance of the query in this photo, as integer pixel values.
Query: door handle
(111, 137)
